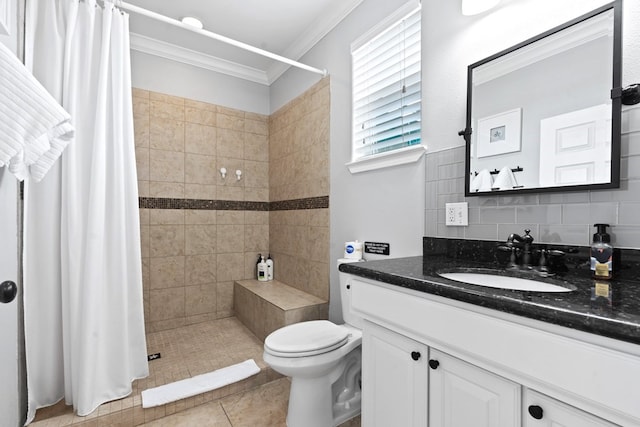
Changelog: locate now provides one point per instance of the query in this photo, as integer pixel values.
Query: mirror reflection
(541, 114)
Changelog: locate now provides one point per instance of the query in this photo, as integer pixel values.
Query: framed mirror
(544, 115)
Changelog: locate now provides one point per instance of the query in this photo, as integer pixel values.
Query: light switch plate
(457, 214)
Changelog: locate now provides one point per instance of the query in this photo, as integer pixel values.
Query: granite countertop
(617, 317)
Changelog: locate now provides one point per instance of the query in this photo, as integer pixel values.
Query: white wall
(191, 82)
(386, 205)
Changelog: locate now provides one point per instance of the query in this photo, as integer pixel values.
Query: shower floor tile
(185, 352)
(197, 349)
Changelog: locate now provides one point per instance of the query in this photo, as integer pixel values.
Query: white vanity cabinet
(398, 390)
(488, 368)
(543, 411)
(394, 378)
(462, 395)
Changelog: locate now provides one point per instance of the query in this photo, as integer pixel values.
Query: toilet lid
(306, 338)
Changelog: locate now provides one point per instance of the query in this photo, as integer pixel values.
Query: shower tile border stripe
(233, 205)
(320, 202)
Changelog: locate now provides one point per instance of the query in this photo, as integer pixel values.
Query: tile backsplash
(561, 218)
(201, 232)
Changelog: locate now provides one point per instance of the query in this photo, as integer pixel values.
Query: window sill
(384, 160)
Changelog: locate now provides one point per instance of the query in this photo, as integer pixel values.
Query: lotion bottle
(269, 268)
(601, 253)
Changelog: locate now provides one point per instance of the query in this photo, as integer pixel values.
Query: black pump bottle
(601, 253)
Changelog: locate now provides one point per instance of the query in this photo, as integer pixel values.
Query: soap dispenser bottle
(262, 270)
(601, 253)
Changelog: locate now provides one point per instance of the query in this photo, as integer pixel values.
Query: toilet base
(328, 400)
(347, 390)
(310, 403)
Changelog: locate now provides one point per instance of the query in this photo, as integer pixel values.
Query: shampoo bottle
(601, 253)
(269, 268)
(258, 264)
(262, 270)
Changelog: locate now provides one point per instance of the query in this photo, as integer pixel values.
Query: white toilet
(324, 362)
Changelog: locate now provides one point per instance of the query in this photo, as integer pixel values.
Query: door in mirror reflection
(581, 145)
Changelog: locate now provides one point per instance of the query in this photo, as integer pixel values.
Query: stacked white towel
(506, 180)
(34, 128)
(482, 182)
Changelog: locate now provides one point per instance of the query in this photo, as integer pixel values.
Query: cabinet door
(543, 411)
(463, 395)
(394, 379)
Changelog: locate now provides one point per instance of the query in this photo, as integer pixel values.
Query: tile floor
(262, 406)
(187, 351)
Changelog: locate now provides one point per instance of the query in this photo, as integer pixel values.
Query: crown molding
(177, 53)
(317, 31)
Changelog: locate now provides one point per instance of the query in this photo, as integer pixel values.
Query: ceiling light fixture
(474, 7)
(194, 22)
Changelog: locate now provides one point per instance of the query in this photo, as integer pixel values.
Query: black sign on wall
(377, 248)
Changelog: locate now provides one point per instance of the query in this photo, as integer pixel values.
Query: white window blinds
(387, 90)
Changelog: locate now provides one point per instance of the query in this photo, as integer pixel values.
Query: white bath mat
(199, 384)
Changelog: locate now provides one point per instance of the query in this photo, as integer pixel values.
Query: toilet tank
(348, 315)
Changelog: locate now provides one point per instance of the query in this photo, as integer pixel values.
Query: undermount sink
(504, 282)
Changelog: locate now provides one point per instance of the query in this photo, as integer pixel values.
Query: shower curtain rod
(212, 35)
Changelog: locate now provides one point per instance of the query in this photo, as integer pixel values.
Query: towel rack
(496, 171)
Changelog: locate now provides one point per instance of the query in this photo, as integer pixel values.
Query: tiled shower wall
(299, 191)
(201, 232)
(562, 218)
(193, 245)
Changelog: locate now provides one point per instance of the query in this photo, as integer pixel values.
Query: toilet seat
(306, 339)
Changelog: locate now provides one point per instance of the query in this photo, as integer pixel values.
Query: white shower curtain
(84, 323)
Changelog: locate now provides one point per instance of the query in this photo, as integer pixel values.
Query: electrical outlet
(457, 213)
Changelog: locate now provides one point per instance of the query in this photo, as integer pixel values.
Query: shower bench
(264, 307)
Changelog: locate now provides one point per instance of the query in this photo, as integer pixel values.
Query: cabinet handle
(433, 364)
(535, 411)
(415, 355)
(8, 291)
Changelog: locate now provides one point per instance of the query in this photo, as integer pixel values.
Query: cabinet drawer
(543, 411)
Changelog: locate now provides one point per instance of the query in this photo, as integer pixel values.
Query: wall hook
(223, 172)
(238, 174)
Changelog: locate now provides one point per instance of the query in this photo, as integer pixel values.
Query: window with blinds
(387, 90)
